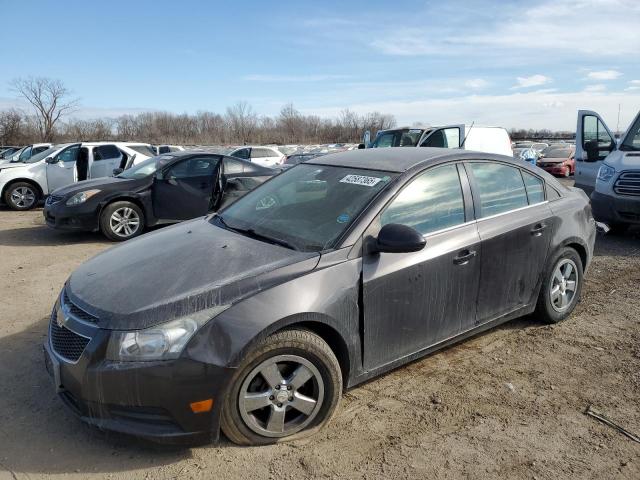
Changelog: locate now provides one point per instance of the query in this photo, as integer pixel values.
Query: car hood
(179, 270)
(104, 183)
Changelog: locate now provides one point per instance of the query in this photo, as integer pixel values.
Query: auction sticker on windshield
(361, 180)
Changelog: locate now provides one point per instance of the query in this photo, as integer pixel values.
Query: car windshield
(398, 138)
(143, 149)
(557, 152)
(42, 155)
(307, 207)
(146, 168)
(632, 139)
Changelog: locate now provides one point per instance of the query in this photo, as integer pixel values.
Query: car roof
(401, 159)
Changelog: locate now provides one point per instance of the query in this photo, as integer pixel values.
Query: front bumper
(615, 209)
(149, 400)
(79, 218)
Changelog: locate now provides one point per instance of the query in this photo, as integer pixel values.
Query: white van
(609, 170)
(23, 184)
(470, 137)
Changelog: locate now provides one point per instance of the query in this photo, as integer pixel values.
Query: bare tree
(50, 99)
(242, 121)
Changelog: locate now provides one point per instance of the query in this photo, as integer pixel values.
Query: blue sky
(515, 64)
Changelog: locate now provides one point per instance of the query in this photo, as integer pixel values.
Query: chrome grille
(76, 311)
(69, 345)
(628, 183)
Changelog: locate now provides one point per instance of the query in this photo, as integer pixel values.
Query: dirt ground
(507, 404)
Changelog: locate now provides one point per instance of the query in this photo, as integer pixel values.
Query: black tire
(285, 344)
(126, 231)
(21, 196)
(552, 311)
(618, 228)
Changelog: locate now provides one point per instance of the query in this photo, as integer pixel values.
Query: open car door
(450, 136)
(61, 169)
(594, 143)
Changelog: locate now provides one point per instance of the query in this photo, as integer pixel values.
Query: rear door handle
(464, 257)
(538, 229)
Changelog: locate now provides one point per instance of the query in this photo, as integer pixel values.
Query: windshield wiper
(250, 232)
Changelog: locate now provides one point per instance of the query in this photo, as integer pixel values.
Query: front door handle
(464, 257)
(538, 229)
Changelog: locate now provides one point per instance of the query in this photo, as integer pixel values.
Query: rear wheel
(561, 287)
(287, 387)
(121, 221)
(21, 196)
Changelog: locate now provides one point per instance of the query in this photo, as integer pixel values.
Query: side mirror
(171, 180)
(396, 238)
(117, 171)
(361, 146)
(592, 151)
(51, 160)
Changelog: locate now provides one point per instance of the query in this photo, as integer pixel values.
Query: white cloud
(532, 81)
(633, 85)
(476, 83)
(604, 75)
(595, 88)
(292, 78)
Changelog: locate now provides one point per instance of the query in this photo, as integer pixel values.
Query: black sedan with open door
(254, 319)
(164, 189)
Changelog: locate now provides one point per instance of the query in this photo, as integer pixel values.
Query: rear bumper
(615, 209)
(561, 170)
(79, 218)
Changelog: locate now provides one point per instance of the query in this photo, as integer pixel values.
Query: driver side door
(594, 143)
(185, 189)
(62, 171)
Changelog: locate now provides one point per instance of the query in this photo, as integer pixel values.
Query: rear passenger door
(514, 224)
(105, 159)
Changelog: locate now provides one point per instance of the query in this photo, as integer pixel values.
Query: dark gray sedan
(253, 320)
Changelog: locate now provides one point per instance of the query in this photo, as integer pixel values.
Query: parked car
(469, 137)
(609, 170)
(134, 152)
(23, 184)
(25, 153)
(558, 160)
(7, 151)
(265, 156)
(160, 149)
(299, 157)
(333, 272)
(163, 189)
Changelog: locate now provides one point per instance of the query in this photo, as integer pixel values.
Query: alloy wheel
(23, 197)
(564, 284)
(124, 222)
(281, 396)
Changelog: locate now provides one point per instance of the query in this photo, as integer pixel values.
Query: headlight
(81, 197)
(162, 342)
(606, 173)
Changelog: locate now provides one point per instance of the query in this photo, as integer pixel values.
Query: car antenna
(467, 134)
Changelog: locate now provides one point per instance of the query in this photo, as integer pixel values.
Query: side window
(534, 186)
(500, 188)
(232, 167)
(432, 201)
(39, 149)
(70, 154)
(552, 194)
(106, 152)
(25, 155)
(385, 140)
(443, 138)
(594, 131)
(194, 167)
(262, 153)
(242, 153)
(163, 149)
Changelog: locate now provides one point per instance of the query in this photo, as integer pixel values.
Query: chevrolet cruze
(253, 320)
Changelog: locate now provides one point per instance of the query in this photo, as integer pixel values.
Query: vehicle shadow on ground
(625, 244)
(43, 236)
(39, 435)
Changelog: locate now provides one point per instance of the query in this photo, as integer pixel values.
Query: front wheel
(21, 196)
(561, 287)
(287, 387)
(121, 221)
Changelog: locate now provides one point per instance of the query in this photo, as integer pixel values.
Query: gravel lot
(506, 404)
